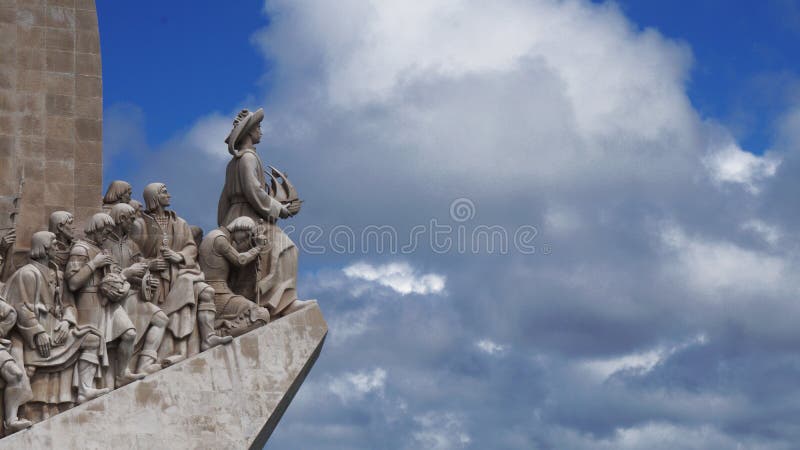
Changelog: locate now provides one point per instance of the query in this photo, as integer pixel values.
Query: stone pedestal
(230, 397)
(51, 111)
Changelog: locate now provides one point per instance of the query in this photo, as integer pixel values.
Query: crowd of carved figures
(141, 290)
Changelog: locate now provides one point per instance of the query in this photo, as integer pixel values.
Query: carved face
(164, 197)
(241, 240)
(50, 246)
(256, 134)
(102, 234)
(125, 221)
(67, 229)
(125, 197)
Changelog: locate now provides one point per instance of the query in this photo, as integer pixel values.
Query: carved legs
(123, 373)
(15, 395)
(206, 313)
(148, 359)
(87, 370)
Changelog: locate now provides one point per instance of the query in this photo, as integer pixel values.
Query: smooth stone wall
(51, 110)
(230, 397)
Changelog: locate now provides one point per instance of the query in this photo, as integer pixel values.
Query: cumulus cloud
(355, 385)
(715, 267)
(441, 431)
(400, 277)
(490, 347)
(734, 165)
(560, 114)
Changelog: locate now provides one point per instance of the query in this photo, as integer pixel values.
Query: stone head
(42, 245)
(123, 216)
(156, 195)
(99, 227)
(118, 192)
(62, 224)
(241, 229)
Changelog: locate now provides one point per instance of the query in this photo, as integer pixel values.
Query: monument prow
(229, 397)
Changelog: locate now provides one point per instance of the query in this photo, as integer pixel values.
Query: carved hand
(158, 265)
(294, 207)
(284, 212)
(171, 255)
(102, 260)
(8, 241)
(135, 270)
(43, 344)
(152, 283)
(61, 332)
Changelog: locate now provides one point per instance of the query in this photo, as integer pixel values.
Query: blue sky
(649, 149)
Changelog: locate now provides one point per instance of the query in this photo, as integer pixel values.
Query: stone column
(51, 111)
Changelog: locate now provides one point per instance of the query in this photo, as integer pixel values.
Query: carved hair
(98, 222)
(242, 223)
(150, 195)
(58, 218)
(119, 209)
(115, 191)
(40, 242)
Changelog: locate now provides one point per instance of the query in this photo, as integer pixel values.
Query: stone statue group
(142, 290)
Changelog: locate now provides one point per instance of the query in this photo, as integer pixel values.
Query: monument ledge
(229, 397)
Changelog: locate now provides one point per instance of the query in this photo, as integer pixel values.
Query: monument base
(229, 397)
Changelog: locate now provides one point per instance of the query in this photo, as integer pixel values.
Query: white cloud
(642, 362)
(490, 347)
(352, 324)
(714, 267)
(351, 386)
(208, 134)
(400, 277)
(441, 431)
(734, 165)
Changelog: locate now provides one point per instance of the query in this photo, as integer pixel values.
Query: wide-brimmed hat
(242, 125)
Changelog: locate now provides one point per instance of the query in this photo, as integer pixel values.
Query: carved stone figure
(137, 207)
(16, 390)
(197, 234)
(245, 193)
(48, 336)
(232, 246)
(86, 267)
(118, 192)
(149, 320)
(7, 252)
(62, 224)
(183, 293)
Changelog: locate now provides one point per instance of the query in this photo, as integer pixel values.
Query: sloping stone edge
(60, 431)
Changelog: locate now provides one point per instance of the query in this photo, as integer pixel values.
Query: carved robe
(94, 310)
(34, 293)
(245, 194)
(182, 283)
(125, 253)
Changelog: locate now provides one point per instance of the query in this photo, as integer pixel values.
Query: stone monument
(141, 333)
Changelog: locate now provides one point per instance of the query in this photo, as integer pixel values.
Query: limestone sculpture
(234, 245)
(87, 266)
(183, 293)
(149, 319)
(58, 353)
(142, 290)
(247, 194)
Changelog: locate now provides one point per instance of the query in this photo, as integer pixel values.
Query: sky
(529, 223)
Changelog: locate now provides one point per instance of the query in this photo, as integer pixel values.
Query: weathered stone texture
(50, 110)
(230, 397)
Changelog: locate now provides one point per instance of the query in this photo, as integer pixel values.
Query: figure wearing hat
(247, 194)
